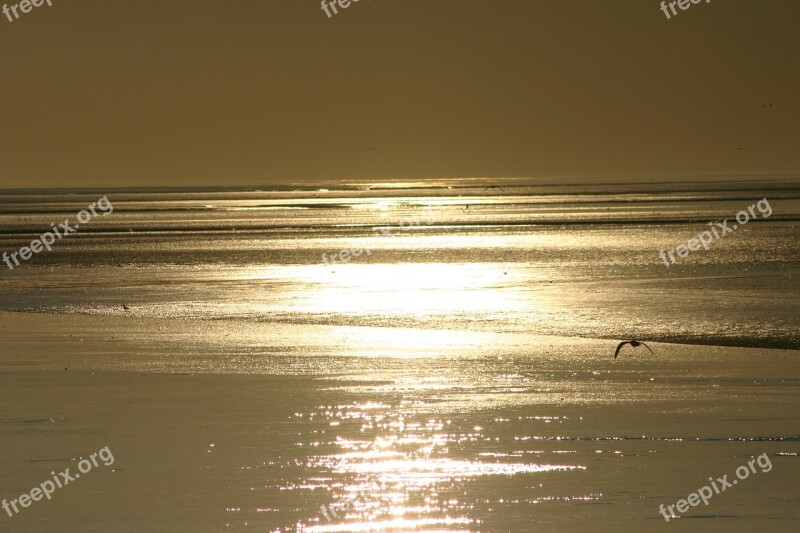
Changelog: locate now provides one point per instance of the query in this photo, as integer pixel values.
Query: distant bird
(634, 343)
(494, 187)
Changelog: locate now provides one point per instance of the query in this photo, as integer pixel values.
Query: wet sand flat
(539, 433)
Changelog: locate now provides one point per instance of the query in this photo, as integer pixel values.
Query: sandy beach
(459, 377)
(259, 441)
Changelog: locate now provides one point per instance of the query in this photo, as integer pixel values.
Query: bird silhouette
(634, 343)
(494, 187)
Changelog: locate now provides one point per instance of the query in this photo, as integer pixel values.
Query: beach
(263, 448)
(461, 377)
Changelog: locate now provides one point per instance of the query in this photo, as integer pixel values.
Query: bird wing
(620, 347)
(646, 346)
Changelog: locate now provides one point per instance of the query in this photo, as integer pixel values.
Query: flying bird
(634, 343)
(494, 187)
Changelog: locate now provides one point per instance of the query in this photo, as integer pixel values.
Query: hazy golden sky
(212, 92)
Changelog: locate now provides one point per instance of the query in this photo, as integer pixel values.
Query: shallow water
(486, 432)
(541, 262)
(459, 377)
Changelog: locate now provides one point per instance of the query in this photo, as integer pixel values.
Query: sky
(255, 92)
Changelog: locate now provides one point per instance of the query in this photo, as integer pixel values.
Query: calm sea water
(544, 260)
(459, 377)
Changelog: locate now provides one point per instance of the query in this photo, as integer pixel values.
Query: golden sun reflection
(398, 524)
(406, 478)
(412, 289)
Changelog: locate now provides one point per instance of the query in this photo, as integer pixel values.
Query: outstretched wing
(646, 346)
(620, 347)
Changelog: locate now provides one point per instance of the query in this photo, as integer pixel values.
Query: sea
(409, 356)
